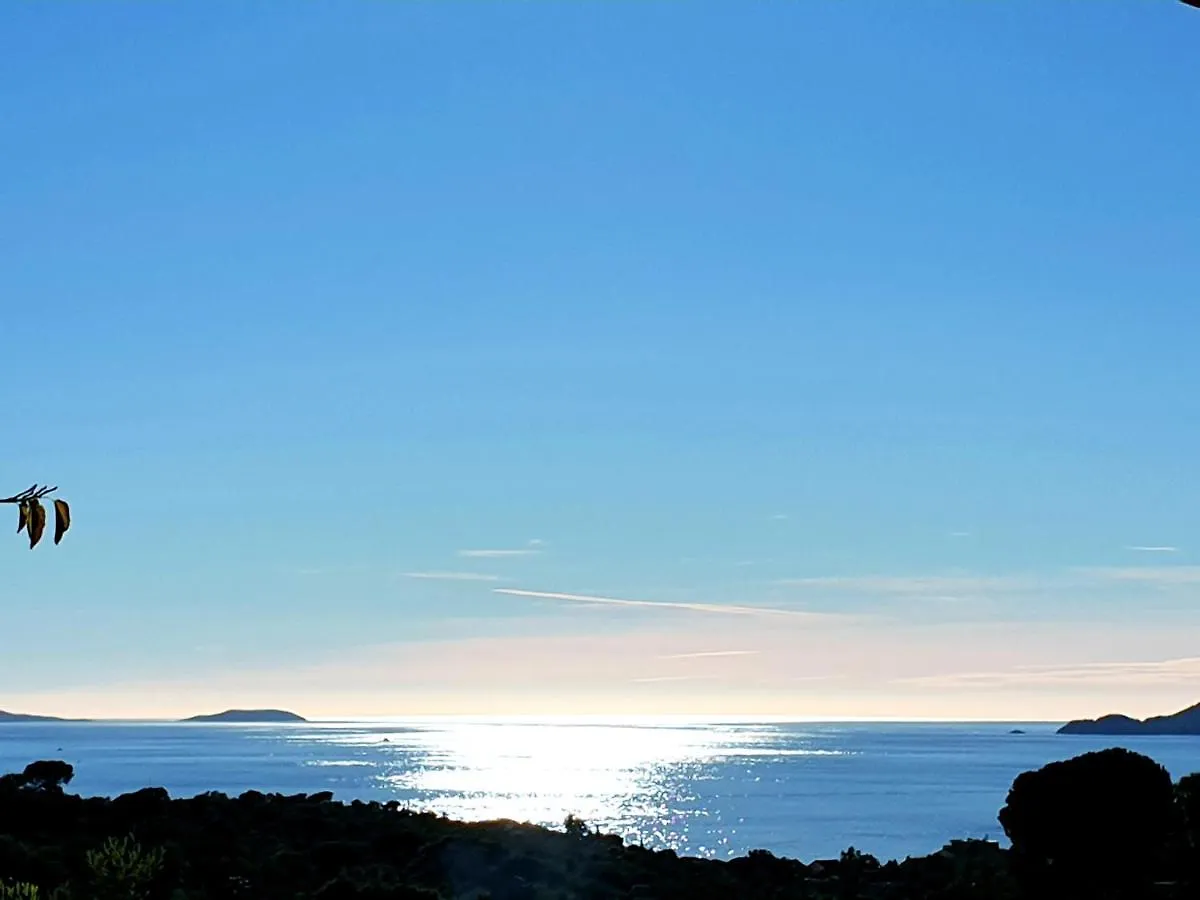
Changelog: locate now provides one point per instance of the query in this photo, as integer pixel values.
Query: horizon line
(551, 718)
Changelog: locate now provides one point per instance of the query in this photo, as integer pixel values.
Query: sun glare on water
(632, 780)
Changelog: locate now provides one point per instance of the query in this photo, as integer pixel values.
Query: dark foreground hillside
(1103, 825)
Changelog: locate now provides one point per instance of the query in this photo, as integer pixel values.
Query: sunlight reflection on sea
(637, 781)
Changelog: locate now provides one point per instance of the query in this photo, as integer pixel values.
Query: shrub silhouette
(1187, 796)
(122, 870)
(1093, 826)
(48, 775)
(1187, 792)
(575, 826)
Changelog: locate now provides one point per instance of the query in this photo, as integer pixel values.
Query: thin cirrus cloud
(1153, 575)
(715, 608)
(1141, 548)
(453, 576)
(705, 654)
(955, 586)
(911, 585)
(1181, 671)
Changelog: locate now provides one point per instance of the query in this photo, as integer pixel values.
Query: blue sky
(879, 312)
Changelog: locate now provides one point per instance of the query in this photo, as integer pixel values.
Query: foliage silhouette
(1094, 826)
(45, 776)
(48, 775)
(122, 870)
(1187, 846)
(575, 826)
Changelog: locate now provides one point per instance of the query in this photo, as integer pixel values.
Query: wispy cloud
(1157, 575)
(1151, 549)
(453, 576)
(709, 653)
(966, 586)
(1182, 671)
(716, 608)
(657, 678)
(499, 554)
(912, 585)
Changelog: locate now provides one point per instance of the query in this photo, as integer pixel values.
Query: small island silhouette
(6, 716)
(244, 716)
(249, 716)
(1186, 721)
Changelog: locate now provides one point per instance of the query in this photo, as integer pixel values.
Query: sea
(712, 789)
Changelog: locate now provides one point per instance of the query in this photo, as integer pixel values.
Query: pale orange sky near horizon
(695, 664)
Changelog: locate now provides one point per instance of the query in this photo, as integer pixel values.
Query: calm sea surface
(802, 790)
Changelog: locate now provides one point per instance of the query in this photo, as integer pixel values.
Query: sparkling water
(710, 789)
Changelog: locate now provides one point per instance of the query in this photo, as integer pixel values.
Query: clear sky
(853, 345)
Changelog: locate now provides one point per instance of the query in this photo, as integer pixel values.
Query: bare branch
(34, 492)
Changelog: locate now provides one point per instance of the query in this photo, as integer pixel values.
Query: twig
(33, 492)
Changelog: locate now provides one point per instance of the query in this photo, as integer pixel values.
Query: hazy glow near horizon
(849, 378)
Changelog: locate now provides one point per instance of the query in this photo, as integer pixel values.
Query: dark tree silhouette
(1187, 795)
(48, 775)
(1095, 826)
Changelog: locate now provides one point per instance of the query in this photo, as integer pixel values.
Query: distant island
(24, 717)
(1186, 721)
(250, 716)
